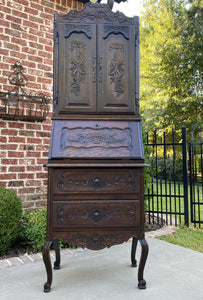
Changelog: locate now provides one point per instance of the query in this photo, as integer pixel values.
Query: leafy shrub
(34, 228)
(10, 216)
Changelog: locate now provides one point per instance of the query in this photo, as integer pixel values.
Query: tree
(171, 63)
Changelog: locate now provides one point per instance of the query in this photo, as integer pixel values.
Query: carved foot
(57, 253)
(47, 287)
(142, 284)
(133, 252)
(47, 262)
(144, 254)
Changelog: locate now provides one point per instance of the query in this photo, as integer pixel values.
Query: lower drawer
(96, 213)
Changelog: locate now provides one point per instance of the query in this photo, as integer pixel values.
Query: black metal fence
(196, 180)
(170, 196)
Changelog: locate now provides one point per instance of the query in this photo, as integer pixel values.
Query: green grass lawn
(186, 237)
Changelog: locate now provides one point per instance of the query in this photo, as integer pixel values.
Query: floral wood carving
(88, 137)
(71, 182)
(77, 67)
(96, 241)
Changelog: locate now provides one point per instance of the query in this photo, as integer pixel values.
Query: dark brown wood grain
(96, 160)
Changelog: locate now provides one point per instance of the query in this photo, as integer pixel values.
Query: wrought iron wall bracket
(16, 104)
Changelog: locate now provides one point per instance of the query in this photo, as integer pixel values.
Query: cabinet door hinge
(56, 39)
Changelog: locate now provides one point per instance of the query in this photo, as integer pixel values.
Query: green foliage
(10, 215)
(171, 63)
(167, 169)
(34, 228)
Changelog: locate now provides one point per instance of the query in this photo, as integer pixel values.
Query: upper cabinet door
(76, 72)
(116, 63)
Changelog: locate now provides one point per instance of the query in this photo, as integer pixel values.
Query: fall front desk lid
(91, 139)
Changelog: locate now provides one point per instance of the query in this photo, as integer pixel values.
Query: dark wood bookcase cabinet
(96, 161)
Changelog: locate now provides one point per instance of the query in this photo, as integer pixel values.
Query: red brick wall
(26, 34)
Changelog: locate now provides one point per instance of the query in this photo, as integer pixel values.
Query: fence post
(185, 175)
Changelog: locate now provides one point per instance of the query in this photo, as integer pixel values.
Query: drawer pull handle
(96, 213)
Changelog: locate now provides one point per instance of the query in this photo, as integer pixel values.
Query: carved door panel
(77, 68)
(116, 74)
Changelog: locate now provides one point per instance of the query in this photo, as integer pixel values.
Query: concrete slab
(171, 272)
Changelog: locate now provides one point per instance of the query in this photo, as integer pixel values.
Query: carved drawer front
(97, 214)
(96, 181)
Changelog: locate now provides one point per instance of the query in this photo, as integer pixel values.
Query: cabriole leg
(144, 254)
(133, 252)
(47, 262)
(57, 253)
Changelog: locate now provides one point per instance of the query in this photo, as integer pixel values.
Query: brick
(36, 6)
(41, 203)
(34, 168)
(42, 175)
(7, 176)
(9, 162)
(4, 23)
(3, 169)
(15, 125)
(4, 264)
(23, 2)
(19, 14)
(29, 50)
(35, 31)
(16, 169)
(3, 154)
(32, 154)
(5, 9)
(46, 16)
(18, 41)
(3, 139)
(27, 161)
(33, 126)
(15, 5)
(44, 80)
(33, 183)
(4, 38)
(15, 154)
(8, 146)
(43, 134)
(26, 190)
(42, 161)
(26, 176)
(15, 183)
(19, 55)
(28, 64)
(36, 45)
(28, 204)
(3, 124)
(14, 261)
(26, 147)
(32, 11)
(12, 46)
(35, 19)
(16, 140)
(13, 19)
(45, 54)
(35, 58)
(9, 132)
(26, 133)
(4, 52)
(42, 148)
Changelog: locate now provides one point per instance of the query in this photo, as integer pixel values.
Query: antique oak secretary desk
(96, 161)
